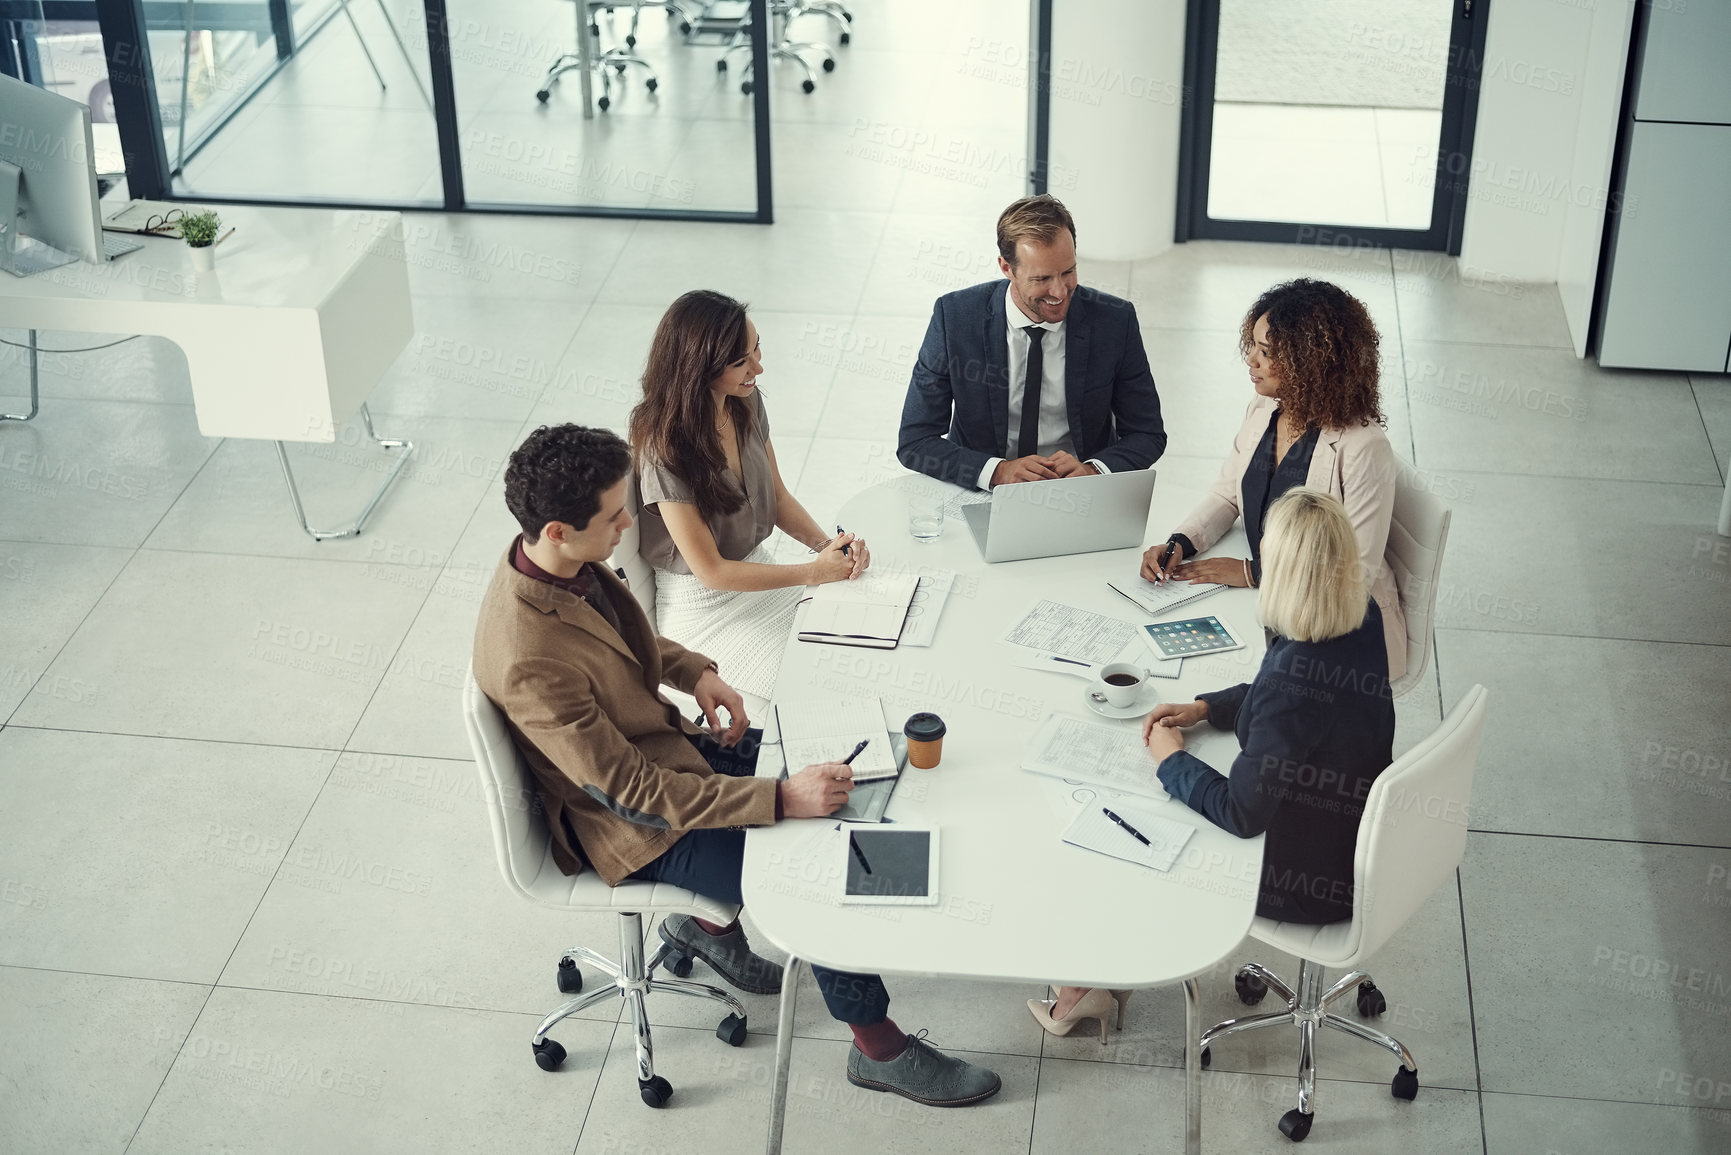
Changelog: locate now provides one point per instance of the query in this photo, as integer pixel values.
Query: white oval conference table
(1015, 903)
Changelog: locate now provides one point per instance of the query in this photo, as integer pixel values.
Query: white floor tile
(190, 835)
(97, 1050)
(1515, 1124)
(272, 1072)
(45, 591)
(216, 646)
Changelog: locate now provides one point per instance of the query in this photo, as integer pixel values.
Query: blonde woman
(1316, 727)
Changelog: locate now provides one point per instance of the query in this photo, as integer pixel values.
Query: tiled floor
(249, 895)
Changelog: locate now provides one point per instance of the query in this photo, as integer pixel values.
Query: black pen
(863, 743)
(858, 853)
(1133, 832)
(846, 550)
(1166, 558)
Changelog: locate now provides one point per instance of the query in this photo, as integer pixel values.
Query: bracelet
(1247, 579)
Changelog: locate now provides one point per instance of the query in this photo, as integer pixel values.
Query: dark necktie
(1029, 443)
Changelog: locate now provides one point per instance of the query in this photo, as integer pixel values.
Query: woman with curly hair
(712, 494)
(1315, 421)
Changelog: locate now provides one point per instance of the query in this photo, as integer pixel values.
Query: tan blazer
(1356, 465)
(620, 780)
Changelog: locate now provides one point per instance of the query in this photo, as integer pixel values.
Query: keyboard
(118, 245)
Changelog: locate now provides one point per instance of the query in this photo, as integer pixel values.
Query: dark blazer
(1316, 727)
(956, 416)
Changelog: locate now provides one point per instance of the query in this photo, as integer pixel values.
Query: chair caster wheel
(1207, 1057)
(1370, 1001)
(1404, 1085)
(1295, 1126)
(746, 88)
(548, 1054)
(631, 42)
(595, 30)
(721, 66)
(655, 1091)
(679, 963)
(807, 86)
(651, 84)
(829, 64)
(1250, 989)
(543, 95)
(846, 15)
(731, 1031)
(603, 104)
(685, 28)
(570, 978)
(845, 38)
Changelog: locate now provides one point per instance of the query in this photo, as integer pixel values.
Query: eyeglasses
(165, 222)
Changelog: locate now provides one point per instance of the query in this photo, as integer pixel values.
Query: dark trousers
(710, 862)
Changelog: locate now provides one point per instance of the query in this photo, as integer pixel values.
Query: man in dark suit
(1075, 352)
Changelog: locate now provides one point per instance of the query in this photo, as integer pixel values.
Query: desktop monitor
(47, 180)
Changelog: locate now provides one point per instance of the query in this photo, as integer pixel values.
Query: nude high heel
(1122, 998)
(1096, 1005)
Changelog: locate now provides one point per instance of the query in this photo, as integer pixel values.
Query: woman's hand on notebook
(832, 565)
(1228, 571)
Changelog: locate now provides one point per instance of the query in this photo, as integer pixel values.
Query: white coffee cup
(1120, 683)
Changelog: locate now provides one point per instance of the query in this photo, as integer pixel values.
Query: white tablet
(889, 865)
(1190, 638)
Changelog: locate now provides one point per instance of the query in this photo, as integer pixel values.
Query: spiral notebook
(1154, 598)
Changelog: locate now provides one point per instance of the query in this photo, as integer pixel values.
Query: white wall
(1551, 85)
(1117, 97)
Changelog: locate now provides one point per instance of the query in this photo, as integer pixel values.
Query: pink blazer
(1356, 465)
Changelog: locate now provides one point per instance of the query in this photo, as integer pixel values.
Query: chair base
(633, 979)
(1307, 1008)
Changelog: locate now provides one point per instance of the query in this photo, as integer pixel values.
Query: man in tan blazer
(566, 653)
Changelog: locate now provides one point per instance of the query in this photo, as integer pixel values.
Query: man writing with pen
(629, 788)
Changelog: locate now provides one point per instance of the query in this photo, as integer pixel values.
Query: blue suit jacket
(957, 412)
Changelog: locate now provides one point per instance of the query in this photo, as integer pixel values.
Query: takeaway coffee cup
(925, 735)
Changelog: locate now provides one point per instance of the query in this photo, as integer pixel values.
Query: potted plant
(199, 231)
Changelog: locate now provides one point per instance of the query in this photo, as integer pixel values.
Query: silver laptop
(1070, 515)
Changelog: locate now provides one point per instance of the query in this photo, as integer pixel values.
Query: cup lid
(923, 728)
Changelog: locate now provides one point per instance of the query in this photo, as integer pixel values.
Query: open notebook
(1157, 598)
(826, 729)
(868, 611)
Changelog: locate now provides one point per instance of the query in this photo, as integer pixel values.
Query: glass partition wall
(557, 106)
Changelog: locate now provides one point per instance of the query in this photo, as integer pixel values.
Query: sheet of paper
(1092, 830)
(1110, 756)
(827, 729)
(929, 600)
(1072, 633)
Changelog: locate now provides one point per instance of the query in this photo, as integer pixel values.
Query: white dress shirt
(1054, 433)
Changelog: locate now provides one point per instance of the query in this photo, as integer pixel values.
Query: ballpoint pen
(1166, 558)
(863, 743)
(1133, 832)
(858, 853)
(845, 549)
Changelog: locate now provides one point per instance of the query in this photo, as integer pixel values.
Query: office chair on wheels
(674, 8)
(525, 856)
(836, 12)
(781, 47)
(609, 64)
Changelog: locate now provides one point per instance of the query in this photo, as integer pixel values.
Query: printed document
(1055, 628)
(1109, 756)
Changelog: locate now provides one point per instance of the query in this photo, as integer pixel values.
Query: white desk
(284, 340)
(1056, 913)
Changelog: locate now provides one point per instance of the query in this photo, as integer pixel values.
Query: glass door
(1336, 114)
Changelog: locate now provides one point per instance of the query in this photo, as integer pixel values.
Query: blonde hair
(1037, 218)
(1313, 586)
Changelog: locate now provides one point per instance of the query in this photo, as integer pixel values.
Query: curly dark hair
(1324, 347)
(674, 425)
(559, 474)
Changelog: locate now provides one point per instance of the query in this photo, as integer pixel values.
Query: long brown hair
(674, 425)
(1324, 347)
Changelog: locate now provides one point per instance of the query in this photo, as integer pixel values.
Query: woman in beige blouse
(712, 494)
(1316, 421)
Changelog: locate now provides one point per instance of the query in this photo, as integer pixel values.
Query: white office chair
(526, 860)
(1417, 534)
(626, 559)
(1410, 840)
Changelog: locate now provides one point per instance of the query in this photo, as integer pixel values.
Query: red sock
(880, 1042)
(714, 928)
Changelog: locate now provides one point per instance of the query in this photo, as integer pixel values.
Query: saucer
(1144, 702)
